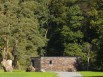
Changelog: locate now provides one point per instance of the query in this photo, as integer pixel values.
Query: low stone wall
(58, 63)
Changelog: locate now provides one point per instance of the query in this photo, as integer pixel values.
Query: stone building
(55, 63)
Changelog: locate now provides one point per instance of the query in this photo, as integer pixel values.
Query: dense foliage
(31, 28)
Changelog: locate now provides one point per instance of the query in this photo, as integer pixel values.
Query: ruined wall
(58, 63)
(36, 63)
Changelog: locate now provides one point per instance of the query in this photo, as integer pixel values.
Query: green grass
(92, 74)
(27, 74)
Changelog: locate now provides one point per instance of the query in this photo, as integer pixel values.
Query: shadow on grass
(89, 76)
(92, 76)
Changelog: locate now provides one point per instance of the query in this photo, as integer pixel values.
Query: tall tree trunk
(46, 33)
(6, 49)
(88, 63)
(15, 61)
(15, 54)
(6, 63)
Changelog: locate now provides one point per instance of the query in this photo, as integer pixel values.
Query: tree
(19, 22)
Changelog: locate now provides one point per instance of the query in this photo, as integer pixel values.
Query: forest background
(33, 28)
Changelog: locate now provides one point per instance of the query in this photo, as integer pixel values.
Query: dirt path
(69, 74)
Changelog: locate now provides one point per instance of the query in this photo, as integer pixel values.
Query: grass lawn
(27, 74)
(92, 74)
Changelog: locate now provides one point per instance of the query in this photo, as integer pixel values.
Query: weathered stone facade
(55, 63)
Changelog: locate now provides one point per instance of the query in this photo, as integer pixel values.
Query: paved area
(69, 74)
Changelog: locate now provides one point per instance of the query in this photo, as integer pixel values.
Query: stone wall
(58, 63)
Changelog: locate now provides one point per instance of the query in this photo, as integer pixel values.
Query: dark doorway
(32, 62)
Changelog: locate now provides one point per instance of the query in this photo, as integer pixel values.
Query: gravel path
(69, 74)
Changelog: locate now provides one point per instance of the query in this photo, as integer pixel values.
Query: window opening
(50, 62)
